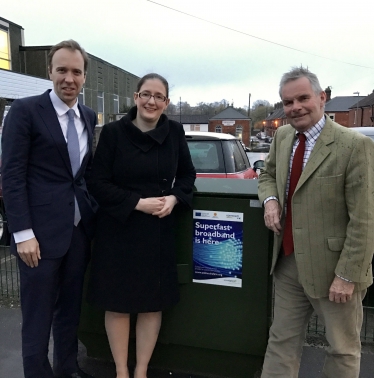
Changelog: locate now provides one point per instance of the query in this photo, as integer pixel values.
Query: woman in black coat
(142, 169)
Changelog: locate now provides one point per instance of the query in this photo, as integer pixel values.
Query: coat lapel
(86, 125)
(284, 162)
(86, 122)
(49, 117)
(320, 152)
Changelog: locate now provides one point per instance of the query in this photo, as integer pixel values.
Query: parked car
(246, 149)
(261, 135)
(218, 155)
(368, 131)
(257, 158)
(261, 147)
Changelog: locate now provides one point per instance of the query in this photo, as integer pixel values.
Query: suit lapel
(49, 117)
(283, 164)
(86, 122)
(319, 153)
(86, 125)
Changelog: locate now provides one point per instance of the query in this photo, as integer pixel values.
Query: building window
(100, 108)
(81, 97)
(4, 50)
(219, 129)
(115, 104)
(128, 101)
(195, 127)
(239, 132)
(332, 116)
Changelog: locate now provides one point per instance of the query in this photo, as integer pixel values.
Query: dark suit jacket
(38, 183)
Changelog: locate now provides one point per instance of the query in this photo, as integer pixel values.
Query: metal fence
(9, 275)
(316, 327)
(9, 288)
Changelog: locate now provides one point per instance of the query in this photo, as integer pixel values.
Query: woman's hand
(150, 205)
(169, 203)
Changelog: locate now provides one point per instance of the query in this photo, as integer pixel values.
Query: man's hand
(150, 205)
(341, 291)
(29, 252)
(170, 202)
(272, 216)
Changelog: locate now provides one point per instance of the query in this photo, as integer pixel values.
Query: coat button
(71, 203)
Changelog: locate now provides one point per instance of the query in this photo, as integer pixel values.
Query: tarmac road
(11, 361)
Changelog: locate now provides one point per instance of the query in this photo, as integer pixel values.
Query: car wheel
(4, 234)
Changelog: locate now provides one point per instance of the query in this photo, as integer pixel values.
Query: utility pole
(249, 105)
(249, 116)
(356, 114)
(180, 109)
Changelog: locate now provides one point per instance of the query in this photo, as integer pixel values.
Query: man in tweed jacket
(332, 228)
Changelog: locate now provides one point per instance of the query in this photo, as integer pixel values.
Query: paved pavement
(11, 363)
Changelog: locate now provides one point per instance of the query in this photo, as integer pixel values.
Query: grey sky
(205, 62)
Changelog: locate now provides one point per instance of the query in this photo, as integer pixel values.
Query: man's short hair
(70, 45)
(298, 73)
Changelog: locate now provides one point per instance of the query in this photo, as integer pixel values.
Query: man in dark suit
(47, 150)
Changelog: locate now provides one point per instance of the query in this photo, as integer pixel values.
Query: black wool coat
(134, 259)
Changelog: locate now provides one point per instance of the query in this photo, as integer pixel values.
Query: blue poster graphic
(218, 248)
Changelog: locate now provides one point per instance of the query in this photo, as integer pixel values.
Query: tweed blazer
(332, 206)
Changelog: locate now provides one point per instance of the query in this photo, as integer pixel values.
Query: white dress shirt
(311, 137)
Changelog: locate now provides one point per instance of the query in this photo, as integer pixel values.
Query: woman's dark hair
(151, 76)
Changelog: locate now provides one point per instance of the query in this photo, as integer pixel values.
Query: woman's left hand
(170, 202)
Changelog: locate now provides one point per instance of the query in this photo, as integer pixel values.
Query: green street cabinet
(220, 326)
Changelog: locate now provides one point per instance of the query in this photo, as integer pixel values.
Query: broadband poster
(217, 247)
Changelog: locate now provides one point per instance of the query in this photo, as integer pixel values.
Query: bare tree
(260, 110)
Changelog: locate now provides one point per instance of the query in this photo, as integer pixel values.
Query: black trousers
(51, 296)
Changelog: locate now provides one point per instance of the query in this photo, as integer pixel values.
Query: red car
(218, 155)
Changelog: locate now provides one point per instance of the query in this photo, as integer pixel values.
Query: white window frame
(115, 104)
(100, 115)
(239, 132)
(83, 97)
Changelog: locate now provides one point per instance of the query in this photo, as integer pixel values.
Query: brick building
(338, 108)
(362, 113)
(191, 122)
(230, 121)
(275, 119)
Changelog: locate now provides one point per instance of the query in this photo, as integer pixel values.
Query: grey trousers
(292, 310)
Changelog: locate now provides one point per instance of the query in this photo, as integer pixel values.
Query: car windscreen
(206, 156)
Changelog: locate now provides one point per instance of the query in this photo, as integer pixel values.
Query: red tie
(297, 168)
